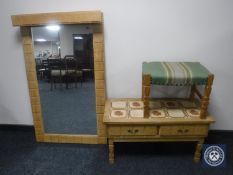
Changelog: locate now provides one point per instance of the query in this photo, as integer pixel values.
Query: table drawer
(132, 130)
(185, 130)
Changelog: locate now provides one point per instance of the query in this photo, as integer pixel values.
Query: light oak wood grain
(93, 18)
(154, 130)
(82, 17)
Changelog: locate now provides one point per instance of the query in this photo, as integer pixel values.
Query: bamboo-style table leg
(111, 151)
(197, 154)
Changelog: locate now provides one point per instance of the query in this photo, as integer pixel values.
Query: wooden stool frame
(146, 88)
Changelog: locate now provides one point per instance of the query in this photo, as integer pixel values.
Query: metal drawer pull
(133, 131)
(183, 131)
(180, 130)
(130, 131)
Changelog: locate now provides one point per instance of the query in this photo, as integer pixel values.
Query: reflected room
(65, 73)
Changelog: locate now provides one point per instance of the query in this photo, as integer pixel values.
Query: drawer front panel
(151, 130)
(132, 130)
(125, 130)
(185, 130)
(147, 130)
(114, 130)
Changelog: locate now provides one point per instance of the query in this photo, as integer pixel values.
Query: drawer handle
(136, 131)
(183, 131)
(180, 131)
(130, 131)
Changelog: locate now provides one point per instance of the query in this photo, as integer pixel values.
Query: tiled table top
(133, 109)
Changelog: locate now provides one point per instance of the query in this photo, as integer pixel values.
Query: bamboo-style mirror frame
(94, 18)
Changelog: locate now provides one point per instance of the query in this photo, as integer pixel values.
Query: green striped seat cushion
(176, 73)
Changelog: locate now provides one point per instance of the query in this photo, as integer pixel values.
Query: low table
(170, 120)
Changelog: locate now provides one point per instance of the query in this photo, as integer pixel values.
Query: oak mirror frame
(93, 18)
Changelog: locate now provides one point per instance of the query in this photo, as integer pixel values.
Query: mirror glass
(65, 73)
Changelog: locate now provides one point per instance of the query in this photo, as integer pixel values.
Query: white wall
(135, 31)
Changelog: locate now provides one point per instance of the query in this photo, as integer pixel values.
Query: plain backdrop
(135, 31)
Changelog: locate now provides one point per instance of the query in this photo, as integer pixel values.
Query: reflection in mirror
(65, 73)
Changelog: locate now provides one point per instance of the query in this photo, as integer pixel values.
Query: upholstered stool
(177, 74)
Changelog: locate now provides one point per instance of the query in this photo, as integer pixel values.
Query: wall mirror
(64, 58)
(65, 74)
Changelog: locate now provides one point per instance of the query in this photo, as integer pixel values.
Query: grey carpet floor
(21, 155)
(68, 111)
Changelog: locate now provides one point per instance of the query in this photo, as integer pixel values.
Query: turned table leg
(197, 154)
(111, 151)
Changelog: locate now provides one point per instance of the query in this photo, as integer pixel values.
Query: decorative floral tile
(193, 112)
(136, 113)
(157, 113)
(188, 104)
(119, 104)
(155, 104)
(136, 104)
(175, 113)
(171, 104)
(118, 113)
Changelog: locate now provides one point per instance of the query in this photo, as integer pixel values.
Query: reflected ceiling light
(78, 37)
(41, 40)
(53, 27)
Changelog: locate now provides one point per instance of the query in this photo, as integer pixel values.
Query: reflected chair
(57, 70)
(39, 73)
(73, 70)
(45, 70)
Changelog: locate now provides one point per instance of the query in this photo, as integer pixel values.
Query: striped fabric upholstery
(176, 73)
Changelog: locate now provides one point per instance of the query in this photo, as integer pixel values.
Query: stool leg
(192, 93)
(197, 154)
(205, 98)
(146, 81)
